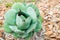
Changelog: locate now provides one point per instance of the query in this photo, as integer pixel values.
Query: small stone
(58, 36)
(1, 33)
(1, 39)
(47, 28)
(53, 39)
(58, 23)
(48, 33)
(9, 36)
(53, 35)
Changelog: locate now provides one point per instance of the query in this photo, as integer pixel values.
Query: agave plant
(22, 20)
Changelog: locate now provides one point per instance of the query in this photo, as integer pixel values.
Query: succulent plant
(22, 20)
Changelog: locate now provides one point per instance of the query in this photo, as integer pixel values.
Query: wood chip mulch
(50, 11)
(2, 11)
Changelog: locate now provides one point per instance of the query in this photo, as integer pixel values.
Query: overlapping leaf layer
(22, 20)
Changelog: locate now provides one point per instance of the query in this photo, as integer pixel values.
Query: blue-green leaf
(31, 13)
(19, 21)
(35, 8)
(19, 6)
(6, 28)
(15, 29)
(10, 17)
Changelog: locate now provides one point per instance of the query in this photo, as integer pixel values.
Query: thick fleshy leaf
(23, 13)
(24, 35)
(35, 8)
(32, 13)
(15, 29)
(6, 28)
(29, 36)
(19, 21)
(19, 6)
(39, 24)
(40, 19)
(38, 27)
(26, 24)
(16, 35)
(10, 17)
(31, 28)
(23, 17)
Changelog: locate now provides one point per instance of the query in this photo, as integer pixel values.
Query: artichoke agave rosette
(22, 20)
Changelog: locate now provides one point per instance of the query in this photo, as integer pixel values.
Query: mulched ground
(50, 11)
